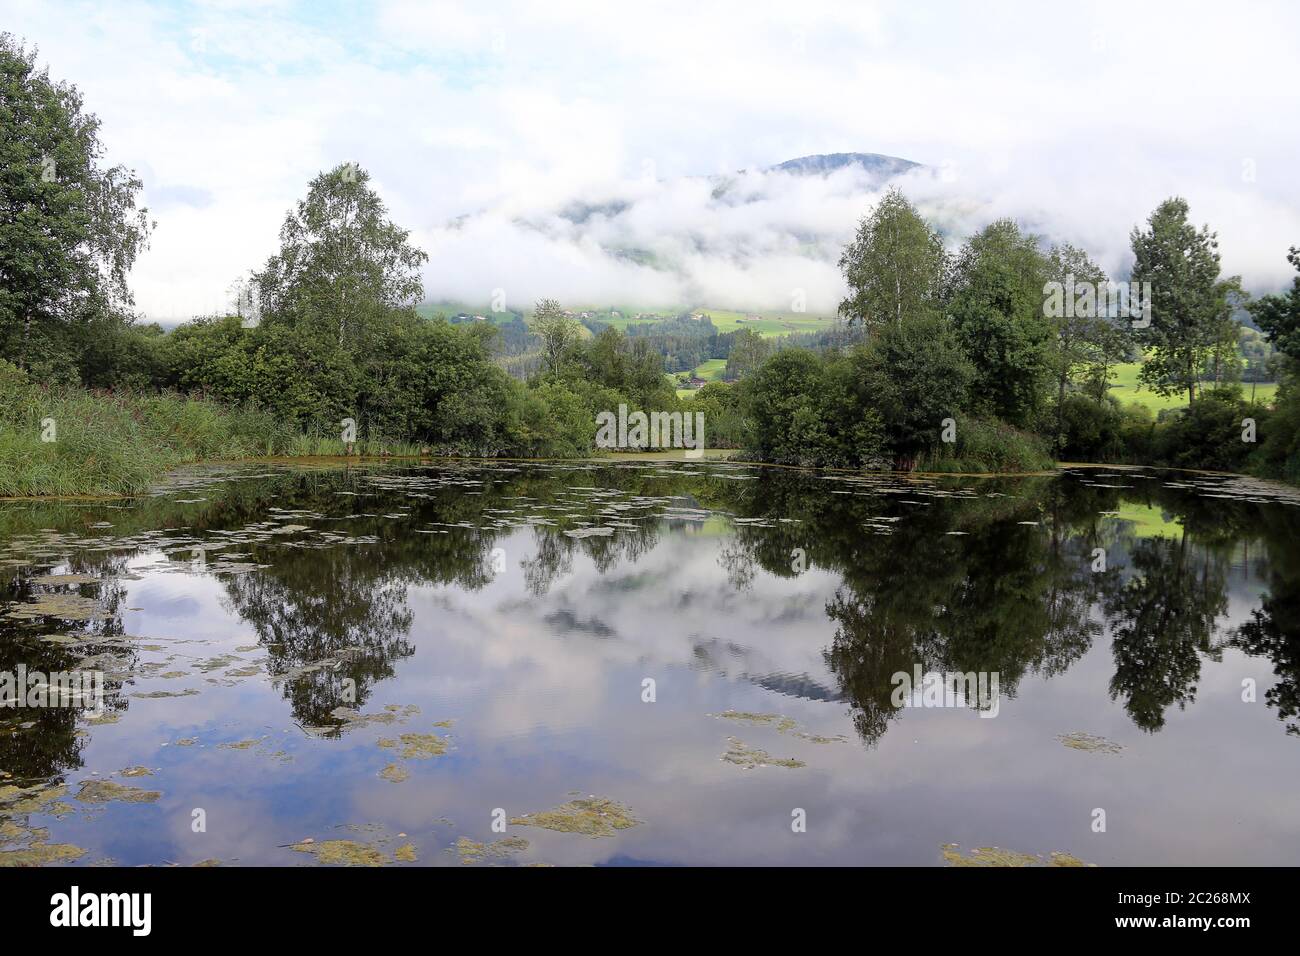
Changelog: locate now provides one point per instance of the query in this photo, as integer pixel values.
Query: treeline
(944, 360)
(1000, 356)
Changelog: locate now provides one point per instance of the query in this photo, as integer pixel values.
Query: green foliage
(344, 270)
(1279, 451)
(69, 228)
(803, 411)
(989, 446)
(101, 443)
(996, 305)
(725, 421)
(1089, 430)
(916, 375)
(1208, 434)
(894, 266)
(1279, 315)
(1188, 301)
(558, 332)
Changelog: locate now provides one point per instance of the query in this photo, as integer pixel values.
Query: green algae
(416, 746)
(405, 853)
(993, 856)
(136, 772)
(41, 798)
(394, 773)
(105, 791)
(781, 723)
(41, 854)
(1089, 742)
(342, 853)
(68, 607)
(471, 851)
(750, 757)
(54, 580)
(593, 817)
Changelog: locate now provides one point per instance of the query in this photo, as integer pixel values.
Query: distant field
(768, 323)
(1124, 386)
(711, 370)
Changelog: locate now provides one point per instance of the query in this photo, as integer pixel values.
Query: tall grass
(70, 441)
(984, 446)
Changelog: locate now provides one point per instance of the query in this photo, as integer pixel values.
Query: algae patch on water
(416, 746)
(25, 845)
(1089, 742)
(471, 851)
(394, 773)
(342, 853)
(104, 791)
(779, 722)
(751, 757)
(994, 856)
(593, 817)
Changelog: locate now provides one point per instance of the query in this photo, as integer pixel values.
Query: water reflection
(533, 591)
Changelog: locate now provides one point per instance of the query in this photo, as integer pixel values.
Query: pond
(653, 662)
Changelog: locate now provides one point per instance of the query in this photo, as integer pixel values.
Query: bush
(1091, 430)
(1208, 434)
(989, 446)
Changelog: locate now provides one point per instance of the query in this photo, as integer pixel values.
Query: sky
(480, 122)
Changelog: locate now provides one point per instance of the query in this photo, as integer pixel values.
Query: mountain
(756, 238)
(878, 165)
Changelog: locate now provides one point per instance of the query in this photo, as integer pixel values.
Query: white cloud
(1077, 120)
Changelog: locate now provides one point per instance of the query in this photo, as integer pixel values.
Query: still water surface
(396, 656)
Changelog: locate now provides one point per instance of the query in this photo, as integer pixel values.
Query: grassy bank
(71, 441)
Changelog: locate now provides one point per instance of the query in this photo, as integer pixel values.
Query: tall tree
(748, 351)
(343, 266)
(1187, 299)
(1279, 314)
(69, 227)
(558, 332)
(996, 305)
(1076, 330)
(894, 265)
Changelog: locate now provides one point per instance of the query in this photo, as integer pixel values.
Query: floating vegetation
(159, 694)
(993, 856)
(471, 851)
(749, 757)
(41, 798)
(781, 723)
(593, 817)
(417, 746)
(350, 719)
(68, 607)
(257, 745)
(342, 852)
(105, 791)
(405, 853)
(394, 773)
(137, 772)
(41, 854)
(56, 580)
(1089, 742)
